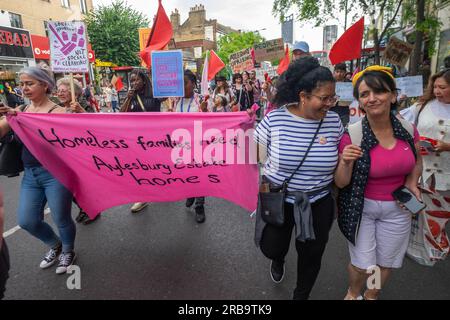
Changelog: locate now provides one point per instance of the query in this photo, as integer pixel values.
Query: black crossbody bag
(271, 202)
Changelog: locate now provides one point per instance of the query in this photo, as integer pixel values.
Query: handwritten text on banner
(108, 160)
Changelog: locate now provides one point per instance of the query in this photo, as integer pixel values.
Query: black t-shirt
(150, 104)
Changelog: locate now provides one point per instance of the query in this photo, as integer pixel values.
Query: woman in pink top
(376, 225)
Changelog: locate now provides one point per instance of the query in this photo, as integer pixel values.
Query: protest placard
(155, 157)
(345, 91)
(167, 74)
(410, 86)
(269, 50)
(397, 52)
(241, 61)
(68, 46)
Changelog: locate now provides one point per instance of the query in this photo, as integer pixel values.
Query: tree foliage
(113, 32)
(235, 42)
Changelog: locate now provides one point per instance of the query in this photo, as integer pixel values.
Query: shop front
(16, 52)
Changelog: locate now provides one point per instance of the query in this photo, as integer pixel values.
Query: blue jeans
(38, 187)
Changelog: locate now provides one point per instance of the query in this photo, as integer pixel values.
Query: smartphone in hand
(408, 199)
(426, 145)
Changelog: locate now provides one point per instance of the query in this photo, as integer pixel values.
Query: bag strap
(356, 134)
(53, 108)
(286, 182)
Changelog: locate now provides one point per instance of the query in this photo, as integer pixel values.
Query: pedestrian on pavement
(241, 94)
(432, 116)
(114, 98)
(377, 227)
(342, 108)
(305, 94)
(38, 185)
(300, 49)
(4, 254)
(223, 89)
(192, 102)
(140, 99)
(79, 106)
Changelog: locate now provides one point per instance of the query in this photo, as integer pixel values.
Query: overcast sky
(247, 15)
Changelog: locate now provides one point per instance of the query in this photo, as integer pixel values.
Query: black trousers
(4, 268)
(275, 244)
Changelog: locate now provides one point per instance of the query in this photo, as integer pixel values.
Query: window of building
(83, 6)
(65, 3)
(16, 20)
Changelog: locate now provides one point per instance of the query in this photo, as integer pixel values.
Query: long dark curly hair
(304, 74)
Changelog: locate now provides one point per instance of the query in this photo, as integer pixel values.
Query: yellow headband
(386, 70)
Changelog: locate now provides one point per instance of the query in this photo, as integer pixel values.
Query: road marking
(17, 228)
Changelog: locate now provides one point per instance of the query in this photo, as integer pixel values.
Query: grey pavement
(162, 253)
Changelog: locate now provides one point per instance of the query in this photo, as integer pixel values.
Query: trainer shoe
(200, 214)
(277, 271)
(89, 220)
(51, 257)
(189, 202)
(138, 206)
(66, 259)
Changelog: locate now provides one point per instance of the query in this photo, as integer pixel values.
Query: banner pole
(72, 87)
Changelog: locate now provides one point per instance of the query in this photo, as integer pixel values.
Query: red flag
(215, 65)
(119, 84)
(159, 37)
(284, 63)
(348, 46)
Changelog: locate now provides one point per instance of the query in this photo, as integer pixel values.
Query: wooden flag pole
(72, 87)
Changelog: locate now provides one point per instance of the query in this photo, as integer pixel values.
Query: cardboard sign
(397, 52)
(355, 112)
(410, 86)
(167, 74)
(68, 46)
(269, 50)
(345, 91)
(241, 61)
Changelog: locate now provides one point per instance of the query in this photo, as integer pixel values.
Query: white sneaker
(50, 258)
(138, 206)
(66, 259)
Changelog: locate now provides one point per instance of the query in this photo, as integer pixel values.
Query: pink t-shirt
(388, 168)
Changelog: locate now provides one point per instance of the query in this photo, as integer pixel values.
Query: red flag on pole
(160, 35)
(119, 84)
(348, 46)
(284, 63)
(215, 65)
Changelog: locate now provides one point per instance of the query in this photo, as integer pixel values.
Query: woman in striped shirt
(306, 92)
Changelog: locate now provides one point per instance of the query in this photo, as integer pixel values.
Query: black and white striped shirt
(287, 138)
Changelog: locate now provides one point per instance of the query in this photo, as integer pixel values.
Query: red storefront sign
(91, 54)
(41, 47)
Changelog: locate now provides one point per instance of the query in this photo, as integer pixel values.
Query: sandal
(349, 296)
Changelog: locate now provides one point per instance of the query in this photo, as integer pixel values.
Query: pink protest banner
(107, 160)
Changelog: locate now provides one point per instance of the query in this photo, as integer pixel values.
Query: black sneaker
(51, 257)
(189, 202)
(81, 216)
(200, 214)
(89, 220)
(277, 271)
(66, 259)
